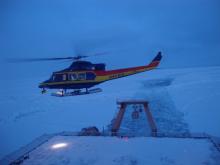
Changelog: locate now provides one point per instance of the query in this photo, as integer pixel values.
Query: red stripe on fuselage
(117, 71)
(154, 64)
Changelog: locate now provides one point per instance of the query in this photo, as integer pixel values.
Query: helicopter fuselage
(83, 74)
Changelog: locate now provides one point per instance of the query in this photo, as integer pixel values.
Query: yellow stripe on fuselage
(127, 73)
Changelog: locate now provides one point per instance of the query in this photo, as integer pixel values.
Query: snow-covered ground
(126, 151)
(181, 100)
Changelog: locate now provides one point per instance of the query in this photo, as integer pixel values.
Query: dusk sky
(131, 31)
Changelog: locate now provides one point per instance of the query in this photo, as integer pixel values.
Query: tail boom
(114, 74)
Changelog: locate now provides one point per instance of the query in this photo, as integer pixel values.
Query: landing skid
(76, 92)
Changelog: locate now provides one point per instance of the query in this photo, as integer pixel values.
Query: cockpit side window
(53, 77)
(57, 77)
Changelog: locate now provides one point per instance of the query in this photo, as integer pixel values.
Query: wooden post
(118, 120)
(150, 120)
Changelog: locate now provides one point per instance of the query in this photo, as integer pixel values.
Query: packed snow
(66, 150)
(181, 100)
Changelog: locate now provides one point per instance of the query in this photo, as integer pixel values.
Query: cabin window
(90, 76)
(64, 77)
(72, 77)
(81, 76)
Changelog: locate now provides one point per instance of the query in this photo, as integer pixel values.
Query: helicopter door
(72, 76)
(90, 76)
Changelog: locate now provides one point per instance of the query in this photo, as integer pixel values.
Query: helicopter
(82, 75)
(85, 75)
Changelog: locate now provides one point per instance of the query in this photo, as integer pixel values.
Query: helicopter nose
(43, 84)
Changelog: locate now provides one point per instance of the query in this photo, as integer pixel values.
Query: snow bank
(196, 93)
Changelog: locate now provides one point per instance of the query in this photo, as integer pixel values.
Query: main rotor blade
(99, 54)
(78, 57)
(14, 60)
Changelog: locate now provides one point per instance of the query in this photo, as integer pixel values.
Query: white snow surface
(125, 151)
(181, 100)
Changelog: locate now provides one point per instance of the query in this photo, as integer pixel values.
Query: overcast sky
(132, 31)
